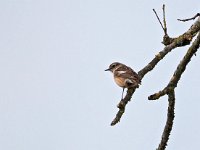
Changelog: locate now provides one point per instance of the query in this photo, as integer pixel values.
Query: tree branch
(122, 105)
(197, 15)
(164, 20)
(159, 20)
(179, 70)
(182, 40)
(164, 25)
(169, 90)
(169, 123)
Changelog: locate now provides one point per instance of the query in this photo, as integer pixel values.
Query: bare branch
(158, 94)
(164, 27)
(182, 40)
(164, 21)
(179, 70)
(122, 105)
(169, 122)
(169, 90)
(197, 15)
(159, 20)
(156, 59)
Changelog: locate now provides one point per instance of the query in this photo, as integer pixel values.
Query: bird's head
(113, 66)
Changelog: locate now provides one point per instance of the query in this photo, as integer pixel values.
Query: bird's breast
(119, 81)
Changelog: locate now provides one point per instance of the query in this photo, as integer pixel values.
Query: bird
(124, 76)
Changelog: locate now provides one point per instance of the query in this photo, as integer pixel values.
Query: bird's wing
(127, 73)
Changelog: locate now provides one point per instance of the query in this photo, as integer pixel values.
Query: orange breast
(119, 81)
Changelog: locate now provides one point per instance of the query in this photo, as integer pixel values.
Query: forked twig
(159, 20)
(164, 25)
(170, 91)
(180, 41)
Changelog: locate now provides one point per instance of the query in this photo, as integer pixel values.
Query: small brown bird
(124, 76)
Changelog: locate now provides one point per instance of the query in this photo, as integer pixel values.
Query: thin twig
(197, 15)
(164, 21)
(159, 20)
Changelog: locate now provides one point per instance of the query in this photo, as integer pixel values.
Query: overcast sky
(54, 93)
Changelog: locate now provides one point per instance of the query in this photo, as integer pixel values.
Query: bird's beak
(107, 69)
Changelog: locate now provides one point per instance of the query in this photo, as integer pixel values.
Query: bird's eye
(113, 65)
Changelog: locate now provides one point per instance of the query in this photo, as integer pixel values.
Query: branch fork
(169, 90)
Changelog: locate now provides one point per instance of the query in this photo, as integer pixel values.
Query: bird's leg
(122, 92)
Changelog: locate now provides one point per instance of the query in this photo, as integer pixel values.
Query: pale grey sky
(54, 93)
